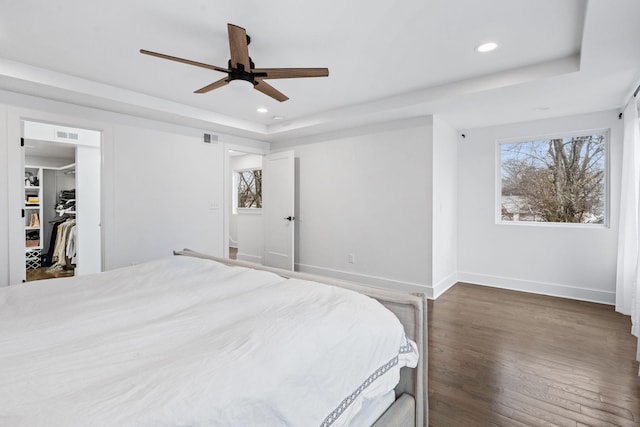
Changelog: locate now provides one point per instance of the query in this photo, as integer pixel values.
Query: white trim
(585, 225)
(248, 211)
(542, 288)
(443, 285)
(259, 168)
(380, 282)
(553, 135)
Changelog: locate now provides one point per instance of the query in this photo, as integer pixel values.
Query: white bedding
(190, 342)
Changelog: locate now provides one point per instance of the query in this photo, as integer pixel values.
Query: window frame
(235, 195)
(606, 132)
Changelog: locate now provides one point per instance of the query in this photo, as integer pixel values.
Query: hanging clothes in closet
(62, 247)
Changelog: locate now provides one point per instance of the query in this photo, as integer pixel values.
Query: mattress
(186, 341)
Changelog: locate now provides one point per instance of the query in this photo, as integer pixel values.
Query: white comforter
(190, 342)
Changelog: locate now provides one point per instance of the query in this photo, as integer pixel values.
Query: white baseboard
(248, 257)
(543, 288)
(443, 285)
(380, 282)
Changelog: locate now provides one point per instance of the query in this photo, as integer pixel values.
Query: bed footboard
(401, 413)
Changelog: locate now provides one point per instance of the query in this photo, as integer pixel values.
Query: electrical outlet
(351, 259)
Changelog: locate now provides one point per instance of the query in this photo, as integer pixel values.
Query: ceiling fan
(241, 67)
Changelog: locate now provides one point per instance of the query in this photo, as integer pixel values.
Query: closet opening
(50, 188)
(61, 211)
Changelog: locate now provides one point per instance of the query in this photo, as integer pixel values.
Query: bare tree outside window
(250, 189)
(558, 180)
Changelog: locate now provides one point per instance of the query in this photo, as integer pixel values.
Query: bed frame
(411, 405)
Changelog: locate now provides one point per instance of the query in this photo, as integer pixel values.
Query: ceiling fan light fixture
(486, 47)
(241, 84)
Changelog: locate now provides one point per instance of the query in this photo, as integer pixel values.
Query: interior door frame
(15, 174)
(227, 182)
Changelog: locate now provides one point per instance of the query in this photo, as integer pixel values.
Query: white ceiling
(387, 60)
(66, 153)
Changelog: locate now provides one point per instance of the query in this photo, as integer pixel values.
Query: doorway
(61, 234)
(264, 235)
(246, 229)
(50, 185)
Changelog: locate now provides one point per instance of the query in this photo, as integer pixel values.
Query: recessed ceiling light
(277, 118)
(262, 110)
(486, 47)
(543, 108)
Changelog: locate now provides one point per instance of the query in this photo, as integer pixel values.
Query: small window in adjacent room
(249, 189)
(562, 179)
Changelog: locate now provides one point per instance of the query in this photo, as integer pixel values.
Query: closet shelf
(32, 214)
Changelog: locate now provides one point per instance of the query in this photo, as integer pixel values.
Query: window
(554, 180)
(249, 188)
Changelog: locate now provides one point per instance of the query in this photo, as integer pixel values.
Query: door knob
(290, 218)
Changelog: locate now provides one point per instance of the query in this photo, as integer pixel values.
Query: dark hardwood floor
(43, 273)
(506, 358)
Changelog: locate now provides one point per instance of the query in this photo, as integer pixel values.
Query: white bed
(186, 341)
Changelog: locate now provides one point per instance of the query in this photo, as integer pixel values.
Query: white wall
(4, 198)
(445, 209)
(162, 187)
(576, 262)
(383, 194)
(167, 194)
(367, 194)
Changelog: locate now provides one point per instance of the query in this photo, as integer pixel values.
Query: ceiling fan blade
(214, 85)
(290, 73)
(239, 47)
(269, 90)
(184, 61)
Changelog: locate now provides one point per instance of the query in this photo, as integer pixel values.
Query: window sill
(249, 211)
(554, 224)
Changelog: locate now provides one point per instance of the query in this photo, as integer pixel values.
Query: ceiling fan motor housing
(239, 73)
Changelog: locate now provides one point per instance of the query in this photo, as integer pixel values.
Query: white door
(88, 207)
(278, 204)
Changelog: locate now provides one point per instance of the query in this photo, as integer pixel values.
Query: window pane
(250, 189)
(554, 180)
